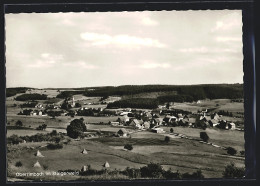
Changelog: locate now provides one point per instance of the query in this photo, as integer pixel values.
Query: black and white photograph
(130, 95)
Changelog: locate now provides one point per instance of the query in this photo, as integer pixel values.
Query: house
(124, 113)
(114, 123)
(125, 118)
(213, 123)
(157, 130)
(215, 116)
(180, 117)
(169, 119)
(146, 125)
(205, 118)
(122, 132)
(136, 124)
(232, 126)
(157, 121)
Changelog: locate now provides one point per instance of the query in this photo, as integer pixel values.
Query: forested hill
(190, 92)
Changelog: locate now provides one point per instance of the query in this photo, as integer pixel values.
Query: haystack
(84, 152)
(39, 154)
(106, 165)
(37, 164)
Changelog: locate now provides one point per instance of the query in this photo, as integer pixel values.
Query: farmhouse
(136, 124)
(157, 121)
(122, 132)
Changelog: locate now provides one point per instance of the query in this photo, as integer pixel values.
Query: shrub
(128, 147)
(171, 130)
(231, 151)
(167, 139)
(52, 146)
(45, 167)
(231, 171)
(14, 139)
(204, 136)
(152, 170)
(132, 172)
(171, 175)
(242, 152)
(18, 164)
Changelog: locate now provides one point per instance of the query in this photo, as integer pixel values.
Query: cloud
(229, 22)
(47, 60)
(227, 39)
(210, 49)
(120, 40)
(194, 50)
(152, 65)
(81, 64)
(149, 22)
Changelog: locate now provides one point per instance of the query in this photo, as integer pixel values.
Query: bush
(231, 171)
(196, 175)
(19, 123)
(128, 147)
(231, 151)
(52, 146)
(18, 164)
(152, 170)
(14, 139)
(167, 139)
(171, 130)
(204, 136)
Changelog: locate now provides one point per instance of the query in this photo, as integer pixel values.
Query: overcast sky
(123, 48)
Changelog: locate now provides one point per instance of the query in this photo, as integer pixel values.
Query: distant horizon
(126, 85)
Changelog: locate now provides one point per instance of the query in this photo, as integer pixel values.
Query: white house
(135, 124)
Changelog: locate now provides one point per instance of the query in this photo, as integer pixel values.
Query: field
(183, 153)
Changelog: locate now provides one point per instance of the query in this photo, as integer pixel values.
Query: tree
(231, 171)
(44, 126)
(77, 105)
(231, 151)
(128, 147)
(19, 123)
(204, 136)
(75, 128)
(167, 139)
(171, 130)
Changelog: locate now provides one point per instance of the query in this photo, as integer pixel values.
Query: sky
(69, 50)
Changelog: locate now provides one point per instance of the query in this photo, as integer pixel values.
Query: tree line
(144, 103)
(13, 91)
(27, 97)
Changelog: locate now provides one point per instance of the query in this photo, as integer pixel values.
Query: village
(143, 133)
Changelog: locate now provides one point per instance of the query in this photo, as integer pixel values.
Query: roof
(192, 120)
(214, 121)
(123, 130)
(158, 120)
